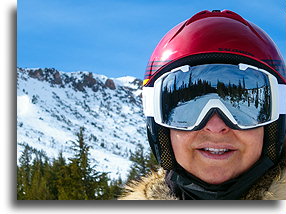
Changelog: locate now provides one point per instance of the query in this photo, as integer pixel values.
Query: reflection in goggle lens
(246, 94)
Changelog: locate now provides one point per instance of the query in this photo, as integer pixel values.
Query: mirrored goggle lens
(245, 93)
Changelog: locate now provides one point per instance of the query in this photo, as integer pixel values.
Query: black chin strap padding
(159, 140)
(273, 142)
(270, 133)
(167, 156)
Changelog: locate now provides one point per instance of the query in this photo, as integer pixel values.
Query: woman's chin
(215, 176)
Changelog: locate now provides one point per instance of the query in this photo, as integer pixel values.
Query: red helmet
(214, 32)
(214, 37)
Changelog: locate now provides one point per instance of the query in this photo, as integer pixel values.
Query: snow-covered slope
(53, 105)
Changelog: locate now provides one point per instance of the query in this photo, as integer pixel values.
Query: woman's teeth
(216, 151)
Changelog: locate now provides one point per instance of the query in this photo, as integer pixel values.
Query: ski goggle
(246, 96)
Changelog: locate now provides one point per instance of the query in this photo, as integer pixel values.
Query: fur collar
(153, 187)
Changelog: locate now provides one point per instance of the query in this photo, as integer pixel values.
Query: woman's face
(217, 153)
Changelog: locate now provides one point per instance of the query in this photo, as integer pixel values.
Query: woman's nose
(216, 125)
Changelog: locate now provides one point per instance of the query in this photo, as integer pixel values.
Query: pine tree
(79, 181)
(39, 179)
(256, 96)
(24, 173)
(65, 184)
(115, 188)
(142, 164)
(72, 177)
(54, 173)
(20, 184)
(38, 188)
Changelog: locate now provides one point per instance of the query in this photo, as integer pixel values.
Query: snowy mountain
(53, 105)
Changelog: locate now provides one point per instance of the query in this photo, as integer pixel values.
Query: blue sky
(114, 37)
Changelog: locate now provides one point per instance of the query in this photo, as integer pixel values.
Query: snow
(126, 81)
(49, 116)
(24, 106)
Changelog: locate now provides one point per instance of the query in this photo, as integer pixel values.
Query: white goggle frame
(151, 97)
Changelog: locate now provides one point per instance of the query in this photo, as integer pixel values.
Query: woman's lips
(217, 155)
(216, 151)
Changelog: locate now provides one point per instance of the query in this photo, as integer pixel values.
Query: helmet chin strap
(186, 186)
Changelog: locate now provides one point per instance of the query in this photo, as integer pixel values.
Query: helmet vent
(216, 13)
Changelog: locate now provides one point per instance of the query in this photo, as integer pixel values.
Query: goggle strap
(148, 97)
(282, 98)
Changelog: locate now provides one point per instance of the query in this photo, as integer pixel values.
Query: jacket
(271, 186)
